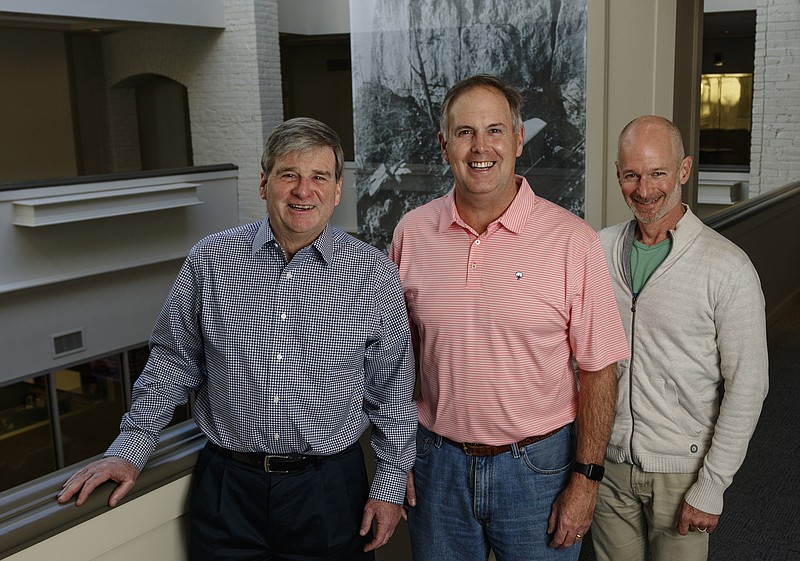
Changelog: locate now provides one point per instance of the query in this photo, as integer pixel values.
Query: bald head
(647, 125)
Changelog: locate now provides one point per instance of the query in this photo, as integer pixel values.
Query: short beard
(672, 200)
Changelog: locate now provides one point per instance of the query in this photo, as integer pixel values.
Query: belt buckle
(267, 469)
(465, 446)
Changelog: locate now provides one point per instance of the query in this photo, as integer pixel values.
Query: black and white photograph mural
(406, 54)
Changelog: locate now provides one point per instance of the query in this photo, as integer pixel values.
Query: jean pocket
(551, 455)
(424, 443)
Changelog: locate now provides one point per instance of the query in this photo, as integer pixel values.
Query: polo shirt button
(279, 356)
(277, 399)
(283, 317)
(277, 436)
(477, 242)
(474, 265)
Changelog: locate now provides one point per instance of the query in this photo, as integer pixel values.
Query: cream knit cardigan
(691, 393)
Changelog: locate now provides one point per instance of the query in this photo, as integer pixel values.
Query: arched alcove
(162, 118)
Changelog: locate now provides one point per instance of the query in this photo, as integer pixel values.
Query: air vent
(67, 343)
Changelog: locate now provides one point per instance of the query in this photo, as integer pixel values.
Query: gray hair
(511, 93)
(300, 135)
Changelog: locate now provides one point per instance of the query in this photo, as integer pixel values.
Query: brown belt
(472, 449)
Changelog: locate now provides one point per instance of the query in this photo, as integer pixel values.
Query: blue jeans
(468, 505)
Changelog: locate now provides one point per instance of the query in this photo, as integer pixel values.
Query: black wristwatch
(592, 471)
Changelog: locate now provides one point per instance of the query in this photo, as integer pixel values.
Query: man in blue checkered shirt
(294, 337)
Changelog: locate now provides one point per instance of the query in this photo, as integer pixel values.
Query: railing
(747, 210)
(767, 228)
(30, 513)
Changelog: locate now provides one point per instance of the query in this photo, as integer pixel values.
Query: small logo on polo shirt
(518, 274)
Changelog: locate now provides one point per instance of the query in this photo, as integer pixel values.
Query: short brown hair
(511, 93)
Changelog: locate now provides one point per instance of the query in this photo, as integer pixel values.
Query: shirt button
(289, 275)
(474, 265)
(477, 242)
(277, 436)
(279, 356)
(283, 317)
(276, 399)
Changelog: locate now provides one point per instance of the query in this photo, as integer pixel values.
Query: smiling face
(302, 192)
(481, 147)
(651, 172)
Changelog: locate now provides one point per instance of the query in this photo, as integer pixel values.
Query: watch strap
(591, 471)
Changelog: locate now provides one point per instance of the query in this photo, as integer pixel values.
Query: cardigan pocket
(682, 417)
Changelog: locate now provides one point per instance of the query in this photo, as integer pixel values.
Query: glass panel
(726, 102)
(26, 436)
(91, 403)
(137, 359)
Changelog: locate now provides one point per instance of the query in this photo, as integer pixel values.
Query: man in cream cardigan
(691, 393)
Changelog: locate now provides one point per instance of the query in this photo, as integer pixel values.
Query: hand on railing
(86, 480)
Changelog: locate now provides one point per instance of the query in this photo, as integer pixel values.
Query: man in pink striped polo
(504, 289)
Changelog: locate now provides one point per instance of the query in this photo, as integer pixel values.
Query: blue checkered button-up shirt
(284, 357)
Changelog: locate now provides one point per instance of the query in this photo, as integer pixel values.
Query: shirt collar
(513, 219)
(323, 244)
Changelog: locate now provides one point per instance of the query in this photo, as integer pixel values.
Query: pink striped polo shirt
(496, 317)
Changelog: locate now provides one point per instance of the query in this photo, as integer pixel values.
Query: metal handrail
(751, 207)
(30, 513)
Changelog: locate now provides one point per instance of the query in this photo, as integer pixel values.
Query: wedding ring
(701, 529)
(579, 536)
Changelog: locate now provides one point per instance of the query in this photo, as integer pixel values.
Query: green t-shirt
(645, 259)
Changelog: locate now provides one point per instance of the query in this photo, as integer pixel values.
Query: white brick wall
(775, 148)
(233, 81)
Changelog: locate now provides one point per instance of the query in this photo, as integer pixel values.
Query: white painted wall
(314, 17)
(728, 5)
(107, 276)
(203, 13)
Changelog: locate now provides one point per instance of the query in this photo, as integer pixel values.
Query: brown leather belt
(473, 449)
